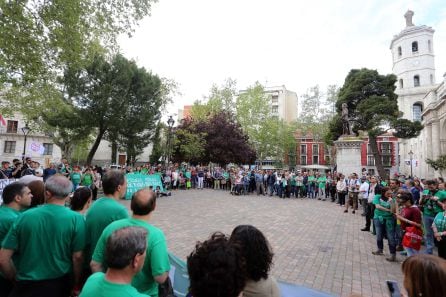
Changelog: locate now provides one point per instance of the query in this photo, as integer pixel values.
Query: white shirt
(364, 189)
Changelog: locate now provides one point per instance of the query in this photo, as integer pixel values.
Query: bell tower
(414, 65)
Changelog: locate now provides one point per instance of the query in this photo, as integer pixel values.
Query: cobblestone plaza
(315, 244)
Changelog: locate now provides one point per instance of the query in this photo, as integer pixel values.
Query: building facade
(388, 147)
(312, 151)
(284, 103)
(419, 97)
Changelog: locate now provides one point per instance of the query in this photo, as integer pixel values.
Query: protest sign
(136, 181)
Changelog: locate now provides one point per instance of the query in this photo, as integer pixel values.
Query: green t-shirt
(188, 174)
(322, 181)
(44, 239)
(311, 179)
(101, 213)
(381, 214)
(440, 222)
(157, 258)
(87, 179)
(76, 177)
(431, 208)
(8, 216)
(98, 286)
(293, 181)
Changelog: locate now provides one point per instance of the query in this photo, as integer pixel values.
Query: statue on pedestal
(346, 122)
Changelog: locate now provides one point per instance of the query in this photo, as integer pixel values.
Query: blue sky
(283, 42)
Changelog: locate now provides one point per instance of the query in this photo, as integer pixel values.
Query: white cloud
(295, 43)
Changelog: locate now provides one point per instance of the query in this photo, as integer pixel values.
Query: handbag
(412, 238)
(166, 289)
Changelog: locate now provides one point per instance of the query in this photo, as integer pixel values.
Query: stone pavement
(315, 244)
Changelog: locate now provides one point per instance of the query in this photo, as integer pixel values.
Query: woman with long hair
(424, 275)
(259, 258)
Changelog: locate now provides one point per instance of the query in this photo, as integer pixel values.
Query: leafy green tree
(438, 164)
(40, 38)
(118, 99)
(189, 145)
(373, 108)
(157, 149)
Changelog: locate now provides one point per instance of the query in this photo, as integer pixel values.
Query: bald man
(157, 265)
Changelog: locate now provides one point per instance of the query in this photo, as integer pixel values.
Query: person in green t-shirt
(16, 198)
(105, 210)
(321, 181)
(430, 201)
(384, 220)
(125, 254)
(439, 228)
(76, 177)
(157, 265)
(49, 241)
(87, 178)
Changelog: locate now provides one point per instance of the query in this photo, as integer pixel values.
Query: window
(400, 52)
(327, 159)
(417, 109)
(303, 149)
(9, 147)
(429, 46)
(326, 151)
(275, 109)
(275, 99)
(370, 161)
(416, 81)
(415, 47)
(12, 126)
(369, 149)
(387, 160)
(401, 83)
(48, 148)
(315, 160)
(303, 160)
(432, 79)
(315, 149)
(386, 148)
(371, 171)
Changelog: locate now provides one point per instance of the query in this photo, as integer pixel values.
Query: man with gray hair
(124, 256)
(48, 242)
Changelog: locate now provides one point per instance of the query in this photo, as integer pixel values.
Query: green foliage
(118, 99)
(190, 145)
(157, 149)
(439, 164)
(40, 38)
(221, 98)
(373, 108)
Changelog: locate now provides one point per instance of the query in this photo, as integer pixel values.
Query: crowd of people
(56, 240)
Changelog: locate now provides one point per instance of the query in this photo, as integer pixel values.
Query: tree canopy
(373, 108)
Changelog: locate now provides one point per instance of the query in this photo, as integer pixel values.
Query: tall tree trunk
(114, 152)
(378, 160)
(95, 146)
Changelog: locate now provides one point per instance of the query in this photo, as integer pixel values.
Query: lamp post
(25, 131)
(170, 123)
(411, 158)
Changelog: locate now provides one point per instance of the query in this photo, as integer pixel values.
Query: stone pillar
(430, 170)
(435, 138)
(348, 154)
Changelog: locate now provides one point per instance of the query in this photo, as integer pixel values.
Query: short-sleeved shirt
(76, 177)
(440, 222)
(8, 216)
(87, 179)
(380, 214)
(431, 208)
(45, 239)
(322, 181)
(412, 213)
(157, 258)
(98, 286)
(103, 212)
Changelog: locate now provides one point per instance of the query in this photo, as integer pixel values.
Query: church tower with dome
(419, 97)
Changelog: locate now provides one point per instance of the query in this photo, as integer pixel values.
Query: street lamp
(170, 123)
(411, 158)
(25, 131)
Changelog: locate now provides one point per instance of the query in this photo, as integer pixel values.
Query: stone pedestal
(348, 154)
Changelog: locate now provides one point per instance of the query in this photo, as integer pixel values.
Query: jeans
(388, 226)
(270, 189)
(200, 182)
(411, 251)
(429, 237)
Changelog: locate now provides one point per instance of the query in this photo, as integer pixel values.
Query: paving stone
(315, 244)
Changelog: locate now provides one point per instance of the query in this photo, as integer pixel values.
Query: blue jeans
(388, 226)
(270, 189)
(429, 237)
(411, 251)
